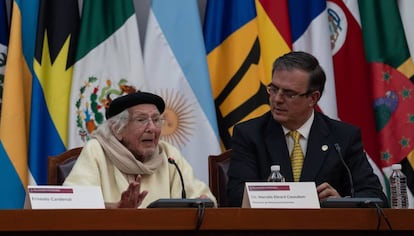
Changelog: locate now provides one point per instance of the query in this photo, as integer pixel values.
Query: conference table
(209, 221)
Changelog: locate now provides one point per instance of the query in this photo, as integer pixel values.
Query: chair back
(218, 166)
(59, 166)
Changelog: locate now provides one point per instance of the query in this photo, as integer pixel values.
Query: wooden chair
(59, 166)
(218, 166)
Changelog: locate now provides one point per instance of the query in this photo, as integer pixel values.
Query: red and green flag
(391, 71)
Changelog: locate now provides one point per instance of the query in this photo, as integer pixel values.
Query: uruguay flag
(176, 69)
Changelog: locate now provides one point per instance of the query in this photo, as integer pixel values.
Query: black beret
(121, 103)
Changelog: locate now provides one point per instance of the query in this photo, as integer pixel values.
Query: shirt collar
(305, 128)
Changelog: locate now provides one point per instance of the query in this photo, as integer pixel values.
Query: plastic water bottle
(275, 175)
(398, 184)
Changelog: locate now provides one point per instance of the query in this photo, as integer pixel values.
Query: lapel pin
(324, 147)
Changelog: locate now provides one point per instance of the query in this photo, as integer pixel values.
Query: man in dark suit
(297, 84)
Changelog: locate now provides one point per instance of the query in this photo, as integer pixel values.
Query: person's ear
(116, 131)
(315, 96)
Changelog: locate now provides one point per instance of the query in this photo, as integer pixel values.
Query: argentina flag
(176, 69)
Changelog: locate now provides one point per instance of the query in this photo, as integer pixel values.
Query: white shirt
(304, 135)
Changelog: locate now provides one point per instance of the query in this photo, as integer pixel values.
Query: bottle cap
(396, 166)
(275, 168)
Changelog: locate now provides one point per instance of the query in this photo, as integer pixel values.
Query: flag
(14, 126)
(391, 71)
(274, 32)
(108, 64)
(57, 32)
(348, 52)
(310, 33)
(4, 41)
(407, 17)
(242, 39)
(176, 69)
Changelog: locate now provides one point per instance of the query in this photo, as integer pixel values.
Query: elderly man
(127, 159)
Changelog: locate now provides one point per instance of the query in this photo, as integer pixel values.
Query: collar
(305, 128)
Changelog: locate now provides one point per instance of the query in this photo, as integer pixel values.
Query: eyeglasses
(143, 121)
(273, 90)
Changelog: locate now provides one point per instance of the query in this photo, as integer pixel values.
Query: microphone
(351, 183)
(172, 161)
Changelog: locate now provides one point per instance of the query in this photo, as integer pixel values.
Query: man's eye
(290, 93)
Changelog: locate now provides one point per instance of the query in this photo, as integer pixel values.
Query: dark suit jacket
(259, 143)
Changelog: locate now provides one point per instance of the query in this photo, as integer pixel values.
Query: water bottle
(398, 184)
(275, 175)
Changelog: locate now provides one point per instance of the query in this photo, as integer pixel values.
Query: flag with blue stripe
(55, 49)
(310, 33)
(14, 126)
(176, 69)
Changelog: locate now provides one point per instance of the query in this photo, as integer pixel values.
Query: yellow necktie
(297, 156)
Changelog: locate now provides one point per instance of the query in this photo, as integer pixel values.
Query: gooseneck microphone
(172, 161)
(351, 183)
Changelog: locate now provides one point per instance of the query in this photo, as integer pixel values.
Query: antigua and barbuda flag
(56, 36)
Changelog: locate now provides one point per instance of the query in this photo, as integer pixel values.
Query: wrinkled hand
(325, 190)
(133, 197)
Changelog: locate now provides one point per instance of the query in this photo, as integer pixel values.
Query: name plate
(65, 197)
(280, 195)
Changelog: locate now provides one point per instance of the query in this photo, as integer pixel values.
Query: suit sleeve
(243, 166)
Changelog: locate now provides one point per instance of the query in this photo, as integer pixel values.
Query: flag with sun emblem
(108, 64)
(176, 69)
(392, 71)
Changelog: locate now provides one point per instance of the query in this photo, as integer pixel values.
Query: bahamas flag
(108, 64)
(14, 126)
(53, 65)
(176, 69)
(391, 70)
(4, 41)
(242, 39)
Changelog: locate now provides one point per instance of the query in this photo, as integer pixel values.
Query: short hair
(306, 62)
(115, 123)
(120, 120)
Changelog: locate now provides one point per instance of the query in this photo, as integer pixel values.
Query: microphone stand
(172, 161)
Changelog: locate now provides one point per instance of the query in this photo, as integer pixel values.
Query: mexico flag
(108, 64)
